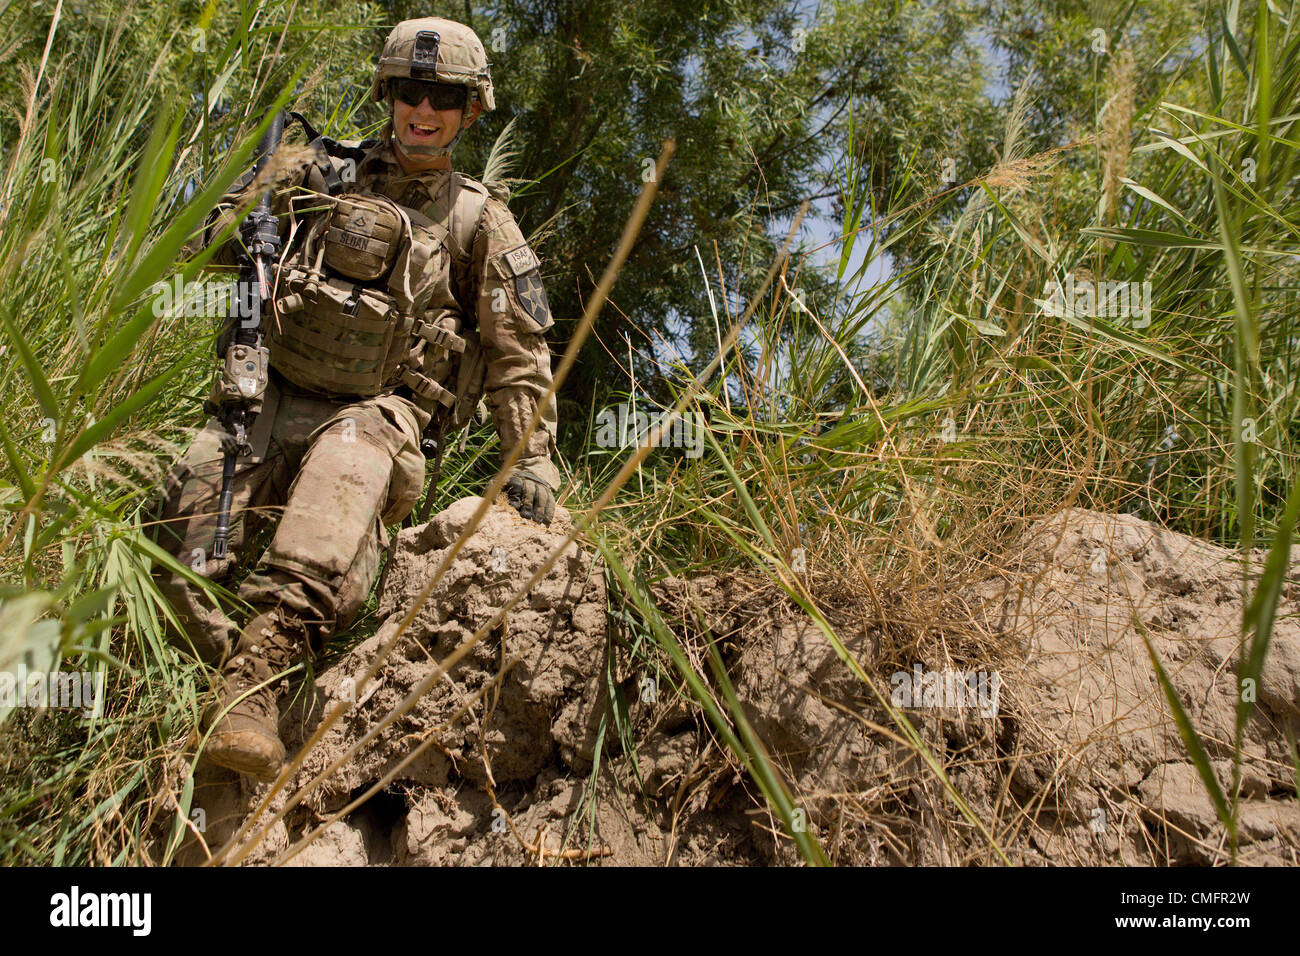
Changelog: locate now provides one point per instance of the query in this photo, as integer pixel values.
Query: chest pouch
(353, 310)
(363, 235)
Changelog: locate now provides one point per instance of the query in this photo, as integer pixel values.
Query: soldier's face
(422, 125)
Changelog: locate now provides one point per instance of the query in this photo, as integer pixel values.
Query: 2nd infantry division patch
(532, 294)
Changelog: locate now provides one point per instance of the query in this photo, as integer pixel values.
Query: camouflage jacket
(495, 280)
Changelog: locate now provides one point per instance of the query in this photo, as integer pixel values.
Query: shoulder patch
(532, 295)
(520, 260)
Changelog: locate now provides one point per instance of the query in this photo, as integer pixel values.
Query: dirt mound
(1101, 753)
(523, 704)
(1039, 702)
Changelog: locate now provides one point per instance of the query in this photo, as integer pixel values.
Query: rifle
(242, 382)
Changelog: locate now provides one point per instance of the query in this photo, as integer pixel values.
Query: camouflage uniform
(344, 467)
(399, 299)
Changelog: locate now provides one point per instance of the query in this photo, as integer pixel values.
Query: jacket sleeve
(513, 316)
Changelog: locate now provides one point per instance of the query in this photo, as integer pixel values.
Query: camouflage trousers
(334, 472)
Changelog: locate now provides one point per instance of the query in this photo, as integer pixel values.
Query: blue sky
(818, 232)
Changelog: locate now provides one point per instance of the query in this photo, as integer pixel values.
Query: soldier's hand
(215, 403)
(531, 497)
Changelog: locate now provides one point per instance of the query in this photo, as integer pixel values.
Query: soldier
(408, 293)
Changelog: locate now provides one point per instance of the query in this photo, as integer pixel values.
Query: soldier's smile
(433, 123)
(423, 126)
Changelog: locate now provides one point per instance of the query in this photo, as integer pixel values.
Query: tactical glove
(531, 497)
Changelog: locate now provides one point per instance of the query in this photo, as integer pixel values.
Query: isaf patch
(521, 259)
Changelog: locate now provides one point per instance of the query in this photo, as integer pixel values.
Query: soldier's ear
(474, 112)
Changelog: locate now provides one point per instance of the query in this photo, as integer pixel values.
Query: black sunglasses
(442, 96)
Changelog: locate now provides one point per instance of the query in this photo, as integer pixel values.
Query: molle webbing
(355, 336)
(439, 337)
(343, 339)
(363, 236)
(427, 388)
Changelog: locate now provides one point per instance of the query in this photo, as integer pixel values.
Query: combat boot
(244, 720)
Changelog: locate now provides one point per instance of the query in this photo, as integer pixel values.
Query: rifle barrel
(223, 512)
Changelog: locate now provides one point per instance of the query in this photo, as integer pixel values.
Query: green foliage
(96, 211)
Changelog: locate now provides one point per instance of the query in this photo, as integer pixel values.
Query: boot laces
(280, 643)
(244, 674)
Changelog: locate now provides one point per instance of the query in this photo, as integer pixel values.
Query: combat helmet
(436, 51)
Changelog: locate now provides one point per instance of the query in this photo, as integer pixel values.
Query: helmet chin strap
(427, 152)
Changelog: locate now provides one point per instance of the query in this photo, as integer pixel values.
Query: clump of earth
(560, 736)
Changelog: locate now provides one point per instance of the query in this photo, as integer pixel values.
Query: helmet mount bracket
(424, 56)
